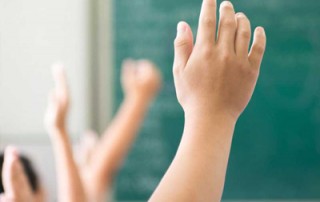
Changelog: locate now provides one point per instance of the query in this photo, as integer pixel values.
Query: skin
(214, 79)
(140, 82)
(15, 182)
(70, 187)
(102, 159)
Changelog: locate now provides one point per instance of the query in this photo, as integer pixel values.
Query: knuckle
(226, 58)
(180, 42)
(259, 49)
(245, 34)
(228, 23)
(207, 51)
(253, 72)
(208, 21)
(176, 69)
(242, 18)
(241, 65)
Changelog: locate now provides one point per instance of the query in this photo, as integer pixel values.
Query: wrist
(140, 99)
(209, 118)
(58, 129)
(210, 113)
(210, 132)
(57, 132)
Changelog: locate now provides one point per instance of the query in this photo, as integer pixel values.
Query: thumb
(183, 45)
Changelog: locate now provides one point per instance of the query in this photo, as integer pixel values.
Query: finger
(258, 47)
(183, 46)
(144, 70)
(145, 66)
(128, 69)
(52, 104)
(227, 26)
(15, 180)
(243, 35)
(51, 111)
(207, 22)
(7, 175)
(60, 80)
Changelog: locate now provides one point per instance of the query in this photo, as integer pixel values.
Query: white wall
(33, 35)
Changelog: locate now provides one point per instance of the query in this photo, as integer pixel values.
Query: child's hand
(217, 75)
(14, 179)
(58, 103)
(140, 79)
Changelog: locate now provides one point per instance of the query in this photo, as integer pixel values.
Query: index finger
(60, 79)
(207, 22)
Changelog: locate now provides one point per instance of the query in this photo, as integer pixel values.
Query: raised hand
(14, 179)
(70, 187)
(140, 79)
(217, 75)
(140, 82)
(58, 103)
(214, 79)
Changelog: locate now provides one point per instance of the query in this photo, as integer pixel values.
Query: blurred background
(276, 149)
(34, 35)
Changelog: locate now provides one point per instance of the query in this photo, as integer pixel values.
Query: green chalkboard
(276, 147)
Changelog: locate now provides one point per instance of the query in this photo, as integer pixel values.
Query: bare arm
(214, 80)
(69, 184)
(140, 82)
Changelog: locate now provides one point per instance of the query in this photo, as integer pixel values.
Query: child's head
(29, 170)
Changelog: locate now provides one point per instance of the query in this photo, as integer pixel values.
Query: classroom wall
(34, 34)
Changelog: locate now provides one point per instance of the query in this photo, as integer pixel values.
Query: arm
(140, 82)
(214, 80)
(69, 184)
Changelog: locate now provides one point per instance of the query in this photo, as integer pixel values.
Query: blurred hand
(58, 103)
(217, 75)
(14, 179)
(140, 79)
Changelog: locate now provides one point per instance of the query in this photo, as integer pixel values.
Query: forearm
(117, 139)
(69, 184)
(198, 170)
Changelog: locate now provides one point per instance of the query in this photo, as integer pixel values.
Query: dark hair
(28, 168)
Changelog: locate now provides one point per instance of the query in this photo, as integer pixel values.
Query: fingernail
(12, 150)
(226, 3)
(240, 15)
(11, 153)
(260, 30)
(181, 29)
